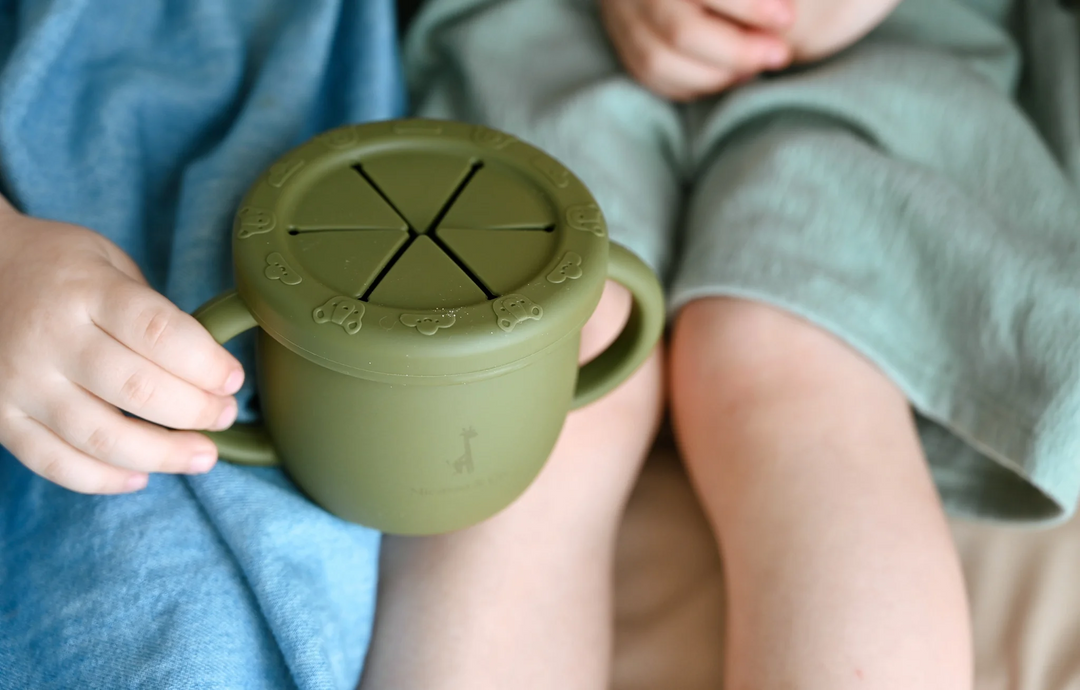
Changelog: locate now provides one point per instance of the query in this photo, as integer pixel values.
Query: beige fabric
(1024, 585)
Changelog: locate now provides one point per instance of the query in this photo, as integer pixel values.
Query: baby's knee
(606, 322)
(728, 352)
(633, 408)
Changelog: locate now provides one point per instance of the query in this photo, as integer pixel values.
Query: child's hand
(82, 334)
(686, 49)
(825, 27)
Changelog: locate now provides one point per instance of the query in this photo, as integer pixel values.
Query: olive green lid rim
(466, 349)
(382, 376)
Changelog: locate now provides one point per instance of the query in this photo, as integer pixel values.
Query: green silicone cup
(420, 288)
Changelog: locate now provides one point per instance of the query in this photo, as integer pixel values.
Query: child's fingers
(47, 455)
(152, 326)
(763, 14)
(668, 72)
(123, 378)
(716, 41)
(103, 433)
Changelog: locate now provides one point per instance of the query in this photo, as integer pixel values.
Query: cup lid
(419, 248)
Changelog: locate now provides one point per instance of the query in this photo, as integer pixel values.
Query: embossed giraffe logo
(464, 462)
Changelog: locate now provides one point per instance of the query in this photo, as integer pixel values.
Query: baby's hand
(825, 27)
(82, 334)
(686, 49)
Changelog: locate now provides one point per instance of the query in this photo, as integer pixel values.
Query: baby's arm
(687, 49)
(82, 337)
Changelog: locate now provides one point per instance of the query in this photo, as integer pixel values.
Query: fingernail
(136, 482)
(226, 418)
(202, 463)
(233, 383)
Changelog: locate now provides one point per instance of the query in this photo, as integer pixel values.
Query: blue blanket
(146, 120)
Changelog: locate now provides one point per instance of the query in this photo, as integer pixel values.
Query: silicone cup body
(365, 450)
(414, 459)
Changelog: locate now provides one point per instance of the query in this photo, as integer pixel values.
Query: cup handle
(226, 316)
(639, 336)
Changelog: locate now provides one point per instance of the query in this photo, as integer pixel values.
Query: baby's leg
(840, 569)
(523, 600)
